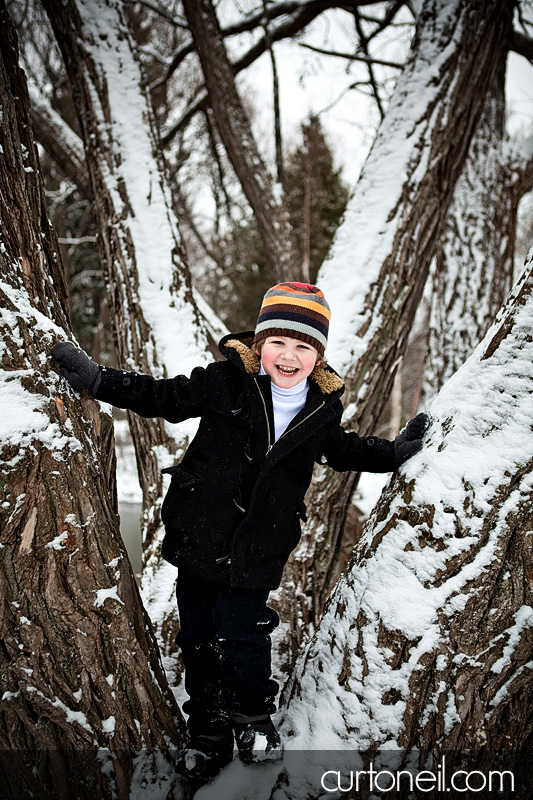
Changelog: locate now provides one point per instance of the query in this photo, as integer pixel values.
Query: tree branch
(352, 56)
(250, 23)
(388, 17)
(363, 44)
(285, 30)
(521, 44)
(275, 91)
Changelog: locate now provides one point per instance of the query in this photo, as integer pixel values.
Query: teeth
(288, 370)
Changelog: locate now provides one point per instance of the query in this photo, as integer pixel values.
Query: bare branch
(218, 162)
(388, 18)
(353, 56)
(275, 89)
(79, 240)
(363, 44)
(235, 132)
(286, 30)
(303, 14)
(523, 45)
(151, 52)
(179, 56)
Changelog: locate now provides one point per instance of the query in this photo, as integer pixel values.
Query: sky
(314, 83)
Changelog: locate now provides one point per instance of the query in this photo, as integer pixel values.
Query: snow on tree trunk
(235, 131)
(158, 327)
(375, 274)
(79, 664)
(426, 642)
(473, 270)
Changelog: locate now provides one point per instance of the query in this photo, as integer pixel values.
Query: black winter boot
(204, 756)
(257, 738)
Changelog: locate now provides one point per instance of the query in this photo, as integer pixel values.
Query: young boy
(232, 512)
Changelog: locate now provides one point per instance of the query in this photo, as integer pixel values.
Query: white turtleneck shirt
(287, 403)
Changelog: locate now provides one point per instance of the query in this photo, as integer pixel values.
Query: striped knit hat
(298, 310)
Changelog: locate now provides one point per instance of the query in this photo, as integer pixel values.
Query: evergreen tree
(316, 194)
(316, 199)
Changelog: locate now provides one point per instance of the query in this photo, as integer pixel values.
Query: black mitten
(76, 366)
(409, 441)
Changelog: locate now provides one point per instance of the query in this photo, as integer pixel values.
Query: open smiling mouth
(287, 371)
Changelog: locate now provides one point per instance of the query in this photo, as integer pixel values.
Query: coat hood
(239, 348)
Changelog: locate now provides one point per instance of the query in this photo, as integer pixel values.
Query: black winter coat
(233, 509)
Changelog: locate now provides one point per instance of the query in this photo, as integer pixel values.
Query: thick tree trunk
(378, 266)
(427, 641)
(157, 325)
(236, 133)
(82, 686)
(473, 270)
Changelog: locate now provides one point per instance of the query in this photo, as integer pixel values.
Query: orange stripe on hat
(297, 301)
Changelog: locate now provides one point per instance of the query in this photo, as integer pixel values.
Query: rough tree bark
(375, 274)
(235, 131)
(158, 326)
(426, 644)
(473, 270)
(82, 686)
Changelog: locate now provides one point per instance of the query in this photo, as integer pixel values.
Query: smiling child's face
(288, 361)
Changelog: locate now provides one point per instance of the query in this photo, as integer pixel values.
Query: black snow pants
(225, 643)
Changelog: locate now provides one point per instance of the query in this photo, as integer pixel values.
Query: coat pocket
(180, 502)
(183, 478)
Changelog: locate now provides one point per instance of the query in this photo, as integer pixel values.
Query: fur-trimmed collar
(326, 379)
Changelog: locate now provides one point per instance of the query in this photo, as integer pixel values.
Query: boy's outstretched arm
(174, 399)
(347, 451)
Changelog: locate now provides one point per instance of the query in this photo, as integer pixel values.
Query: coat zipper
(289, 429)
(270, 442)
(227, 558)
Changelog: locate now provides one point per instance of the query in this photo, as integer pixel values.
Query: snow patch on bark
(140, 196)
